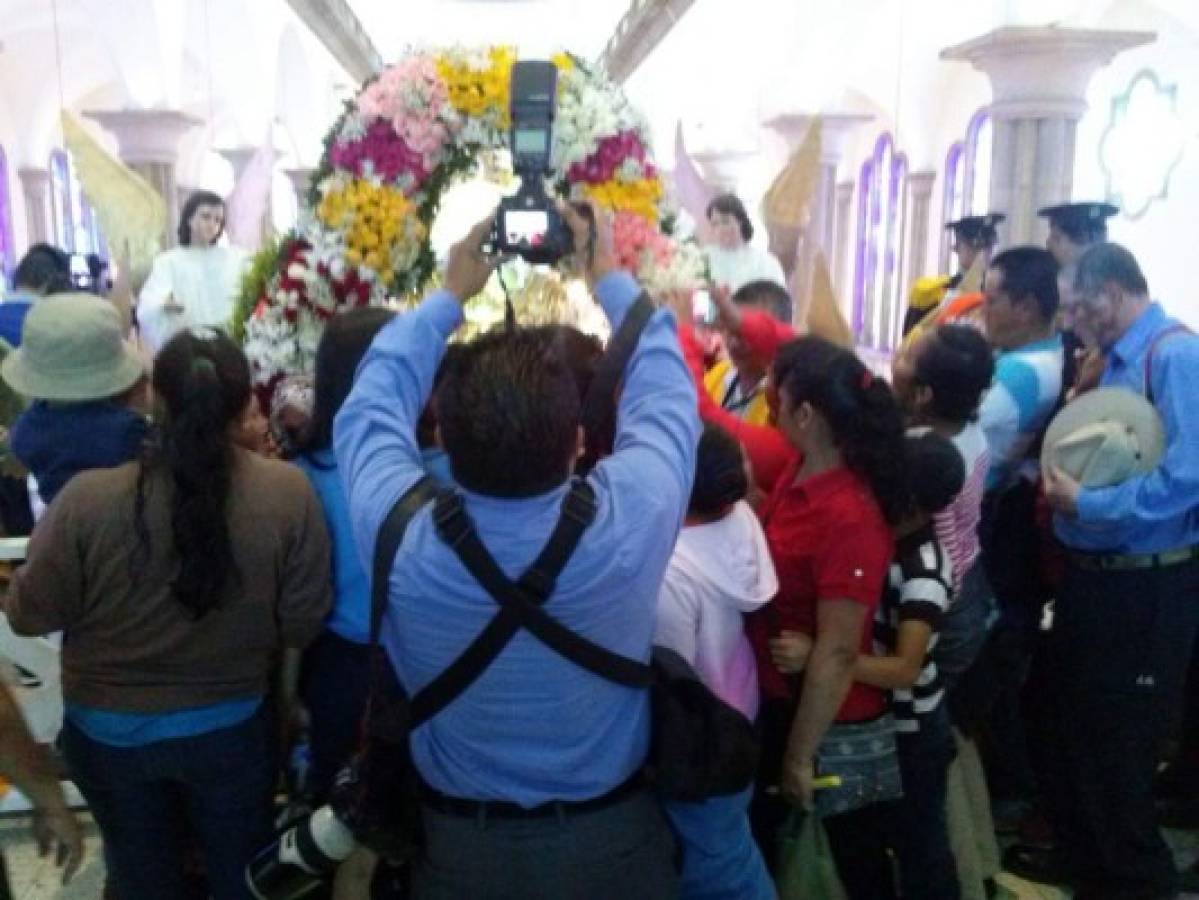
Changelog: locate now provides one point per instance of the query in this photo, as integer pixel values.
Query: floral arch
(420, 126)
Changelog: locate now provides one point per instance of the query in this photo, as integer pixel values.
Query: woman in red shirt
(827, 523)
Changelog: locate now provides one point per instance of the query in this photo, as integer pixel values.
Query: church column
(301, 180)
(35, 186)
(239, 158)
(1039, 79)
(820, 233)
(920, 201)
(148, 142)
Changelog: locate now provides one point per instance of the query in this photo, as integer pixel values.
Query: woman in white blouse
(194, 283)
(732, 260)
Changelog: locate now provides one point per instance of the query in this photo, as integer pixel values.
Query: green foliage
(263, 265)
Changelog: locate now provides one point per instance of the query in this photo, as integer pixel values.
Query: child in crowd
(89, 388)
(720, 569)
(940, 380)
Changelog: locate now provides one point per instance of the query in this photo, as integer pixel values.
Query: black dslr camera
(528, 224)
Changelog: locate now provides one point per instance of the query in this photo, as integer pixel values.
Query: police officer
(1127, 611)
(973, 236)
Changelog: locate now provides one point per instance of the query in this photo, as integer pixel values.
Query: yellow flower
(377, 221)
(476, 92)
(640, 197)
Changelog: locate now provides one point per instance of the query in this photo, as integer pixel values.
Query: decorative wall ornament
(1142, 145)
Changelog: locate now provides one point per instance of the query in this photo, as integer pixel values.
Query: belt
(1130, 562)
(502, 809)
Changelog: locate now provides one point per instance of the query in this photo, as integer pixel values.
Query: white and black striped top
(919, 586)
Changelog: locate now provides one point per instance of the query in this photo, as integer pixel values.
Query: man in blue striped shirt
(539, 751)
(1127, 612)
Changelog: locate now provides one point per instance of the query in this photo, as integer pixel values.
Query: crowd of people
(881, 575)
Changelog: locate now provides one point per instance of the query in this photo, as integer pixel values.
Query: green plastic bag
(807, 870)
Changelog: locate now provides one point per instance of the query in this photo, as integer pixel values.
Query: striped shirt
(957, 524)
(917, 589)
(1024, 395)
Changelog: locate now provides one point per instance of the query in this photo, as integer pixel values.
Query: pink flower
(611, 153)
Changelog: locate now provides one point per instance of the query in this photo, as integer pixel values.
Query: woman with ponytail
(178, 580)
(828, 526)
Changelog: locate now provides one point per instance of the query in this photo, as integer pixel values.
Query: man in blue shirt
(535, 735)
(1127, 612)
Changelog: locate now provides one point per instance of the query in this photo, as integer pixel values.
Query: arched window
(878, 295)
(954, 199)
(8, 250)
(967, 190)
(978, 163)
(60, 200)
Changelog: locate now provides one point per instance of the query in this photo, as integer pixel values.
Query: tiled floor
(37, 879)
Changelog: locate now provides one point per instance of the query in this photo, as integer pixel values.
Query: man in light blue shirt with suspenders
(531, 773)
(1127, 612)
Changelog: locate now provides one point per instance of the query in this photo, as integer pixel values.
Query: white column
(799, 250)
(842, 250)
(920, 203)
(301, 181)
(35, 186)
(1039, 79)
(148, 142)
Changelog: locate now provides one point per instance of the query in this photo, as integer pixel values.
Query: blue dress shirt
(1157, 511)
(534, 727)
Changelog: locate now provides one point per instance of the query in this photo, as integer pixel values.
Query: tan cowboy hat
(72, 349)
(1104, 437)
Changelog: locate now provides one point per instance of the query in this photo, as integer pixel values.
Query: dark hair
(860, 409)
(44, 269)
(581, 354)
(1030, 272)
(194, 202)
(202, 381)
(769, 295)
(341, 348)
(720, 479)
(956, 362)
(426, 425)
(731, 205)
(509, 411)
(1108, 262)
(936, 471)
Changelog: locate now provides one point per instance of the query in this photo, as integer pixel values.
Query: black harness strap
(533, 589)
(521, 602)
(387, 545)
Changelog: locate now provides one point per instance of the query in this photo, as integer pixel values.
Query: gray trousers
(622, 852)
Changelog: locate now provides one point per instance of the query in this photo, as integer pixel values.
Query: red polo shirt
(829, 541)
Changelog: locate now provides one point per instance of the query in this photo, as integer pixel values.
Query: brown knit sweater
(129, 646)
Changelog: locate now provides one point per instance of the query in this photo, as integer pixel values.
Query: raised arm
(374, 435)
(764, 445)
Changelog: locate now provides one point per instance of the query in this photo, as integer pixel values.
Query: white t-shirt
(736, 268)
(203, 280)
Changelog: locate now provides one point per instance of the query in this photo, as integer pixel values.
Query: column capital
(1043, 71)
(146, 135)
(836, 129)
(239, 158)
(32, 175)
(724, 167)
(301, 180)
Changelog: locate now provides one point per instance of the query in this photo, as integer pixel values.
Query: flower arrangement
(411, 132)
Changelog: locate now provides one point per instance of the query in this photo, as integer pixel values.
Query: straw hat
(1104, 437)
(72, 349)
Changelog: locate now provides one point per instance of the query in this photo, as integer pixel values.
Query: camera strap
(387, 545)
(521, 602)
(599, 406)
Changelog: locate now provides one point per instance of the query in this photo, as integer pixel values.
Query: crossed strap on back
(521, 602)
